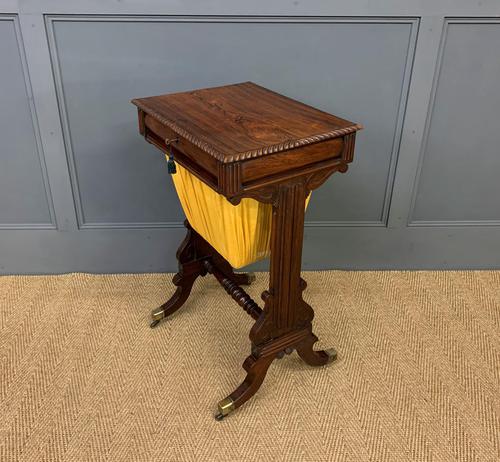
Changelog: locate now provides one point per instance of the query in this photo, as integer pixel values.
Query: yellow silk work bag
(240, 233)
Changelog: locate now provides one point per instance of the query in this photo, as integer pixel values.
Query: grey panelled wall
(24, 195)
(459, 184)
(81, 191)
(101, 62)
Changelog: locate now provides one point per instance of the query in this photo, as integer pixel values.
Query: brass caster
(332, 354)
(156, 316)
(251, 277)
(225, 407)
(282, 353)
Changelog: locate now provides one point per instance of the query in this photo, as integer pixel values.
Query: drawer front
(273, 164)
(158, 133)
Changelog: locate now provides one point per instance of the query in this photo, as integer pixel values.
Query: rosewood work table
(245, 141)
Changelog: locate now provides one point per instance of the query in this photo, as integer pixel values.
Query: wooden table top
(243, 121)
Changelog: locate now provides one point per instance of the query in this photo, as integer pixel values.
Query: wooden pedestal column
(285, 323)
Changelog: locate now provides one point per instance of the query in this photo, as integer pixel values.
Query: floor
(83, 377)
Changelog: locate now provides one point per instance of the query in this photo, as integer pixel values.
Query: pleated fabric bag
(240, 233)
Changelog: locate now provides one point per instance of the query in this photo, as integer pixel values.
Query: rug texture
(83, 377)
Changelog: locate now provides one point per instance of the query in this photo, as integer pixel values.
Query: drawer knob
(171, 161)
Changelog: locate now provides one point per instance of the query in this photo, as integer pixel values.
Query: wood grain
(242, 121)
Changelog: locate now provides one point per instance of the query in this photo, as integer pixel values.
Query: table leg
(191, 257)
(286, 321)
(189, 270)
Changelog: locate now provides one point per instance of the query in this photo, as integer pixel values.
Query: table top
(243, 121)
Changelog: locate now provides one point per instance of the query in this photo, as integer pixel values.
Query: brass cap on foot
(226, 406)
(332, 354)
(251, 277)
(157, 314)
